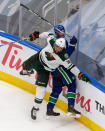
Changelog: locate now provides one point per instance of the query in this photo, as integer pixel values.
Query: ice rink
(15, 106)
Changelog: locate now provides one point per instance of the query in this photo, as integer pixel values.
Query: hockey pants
(62, 77)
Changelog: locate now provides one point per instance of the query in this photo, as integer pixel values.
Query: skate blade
(73, 115)
(53, 117)
(47, 117)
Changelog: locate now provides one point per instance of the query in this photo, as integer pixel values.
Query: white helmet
(61, 42)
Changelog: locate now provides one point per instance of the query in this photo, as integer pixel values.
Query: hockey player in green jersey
(61, 76)
(46, 61)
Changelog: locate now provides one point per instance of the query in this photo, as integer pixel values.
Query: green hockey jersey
(51, 59)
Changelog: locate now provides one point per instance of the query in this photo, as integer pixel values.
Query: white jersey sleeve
(44, 35)
(75, 71)
(67, 64)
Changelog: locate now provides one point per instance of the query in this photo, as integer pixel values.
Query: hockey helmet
(60, 42)
(59, 28)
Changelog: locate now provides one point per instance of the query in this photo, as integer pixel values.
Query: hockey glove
(34, 35)
(73, 40)
(81, 76)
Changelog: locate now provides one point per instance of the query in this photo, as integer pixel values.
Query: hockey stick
(27, 8)
(13, 42)
(36, 14)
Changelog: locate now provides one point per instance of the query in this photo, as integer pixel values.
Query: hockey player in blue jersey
(62, 76)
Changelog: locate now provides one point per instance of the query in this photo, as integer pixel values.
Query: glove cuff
(80, 75)
(73, 40)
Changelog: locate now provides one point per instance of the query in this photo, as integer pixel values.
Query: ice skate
(34, 113)
(73, 112)
(25, 72)
(51, 113)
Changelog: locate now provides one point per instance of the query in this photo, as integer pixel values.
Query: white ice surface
(15, 106)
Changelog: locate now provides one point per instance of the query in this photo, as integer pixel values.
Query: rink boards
(90, 98)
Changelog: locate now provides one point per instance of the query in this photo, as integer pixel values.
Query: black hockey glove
(81, 76)
(34, 35)
(73, 40)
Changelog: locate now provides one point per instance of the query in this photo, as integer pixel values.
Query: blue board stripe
(25, 42)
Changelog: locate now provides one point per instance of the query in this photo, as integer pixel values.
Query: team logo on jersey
(66, 55)
(49, 56)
